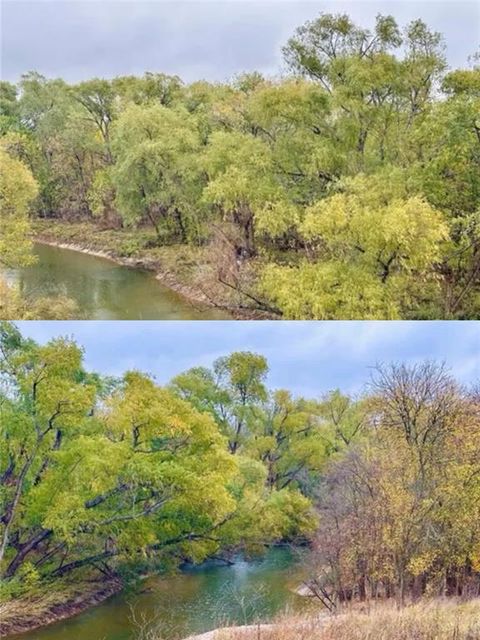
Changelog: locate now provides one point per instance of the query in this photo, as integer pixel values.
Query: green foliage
(121, 473)
(348, 189)
(376, 242)
(98, 471)
(17, 191)
(155, 174)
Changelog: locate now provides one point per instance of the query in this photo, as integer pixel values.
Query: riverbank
(183, 269)
(47, 605)
(196, 598)
(271, 631)
(438, 619)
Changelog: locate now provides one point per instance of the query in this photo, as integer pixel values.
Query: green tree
(18, 189)
(97, 98)
(374, 240)
(230, 391)
(94, 474)
(156, 176)
(287, 438)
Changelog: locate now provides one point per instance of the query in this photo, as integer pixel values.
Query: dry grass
(436, 620)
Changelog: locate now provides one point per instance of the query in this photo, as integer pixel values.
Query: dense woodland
(111, 476)
(348, 188)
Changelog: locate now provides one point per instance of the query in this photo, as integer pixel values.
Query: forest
(113, 477)
(347, 187)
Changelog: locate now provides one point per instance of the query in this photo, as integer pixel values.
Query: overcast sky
(309, 358)
(197, 39)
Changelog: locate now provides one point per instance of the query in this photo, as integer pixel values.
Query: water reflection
(194, 601)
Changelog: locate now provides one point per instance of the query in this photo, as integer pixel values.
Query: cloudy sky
(308, 357)
(78, 39)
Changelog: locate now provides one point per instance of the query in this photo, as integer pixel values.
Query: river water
(194, 601)
(104, 290)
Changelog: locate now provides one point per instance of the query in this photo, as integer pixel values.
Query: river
(193, 601)
(104, 290)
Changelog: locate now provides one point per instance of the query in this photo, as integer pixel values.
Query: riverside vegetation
(432, 621)
(103, 479)
(349, 188)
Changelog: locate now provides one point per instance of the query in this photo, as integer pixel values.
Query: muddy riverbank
(178, 268)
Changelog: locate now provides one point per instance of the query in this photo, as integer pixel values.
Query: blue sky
(308, 357)
(78, 39)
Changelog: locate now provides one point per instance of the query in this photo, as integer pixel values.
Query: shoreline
(45, 611)
(166, 277)
(245, 631)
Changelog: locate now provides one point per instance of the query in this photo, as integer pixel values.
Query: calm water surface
(104, 290)
(194, 601)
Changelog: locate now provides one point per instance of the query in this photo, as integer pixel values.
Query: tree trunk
(25, 549)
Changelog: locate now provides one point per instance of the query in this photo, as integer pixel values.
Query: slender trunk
(10, 514)
(66, 568)
(25, 549)
(151, 217)
(181, 225)
(234, 444)
(250, 238)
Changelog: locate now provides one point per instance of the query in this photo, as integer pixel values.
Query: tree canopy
(349, 188)
(114, 474)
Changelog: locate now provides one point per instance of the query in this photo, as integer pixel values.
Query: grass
(46, 603)
(123, 243)
(435, 620)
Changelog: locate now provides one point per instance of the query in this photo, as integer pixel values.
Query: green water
(104, 290)
(194, 601)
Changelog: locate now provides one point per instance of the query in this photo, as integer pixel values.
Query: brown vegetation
(436, 620)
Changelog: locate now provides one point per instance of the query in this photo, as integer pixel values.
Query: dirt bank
(248, 632)
(172, 265)
(167, 278)
(51, 605)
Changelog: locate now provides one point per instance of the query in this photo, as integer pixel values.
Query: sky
(309, 358)
(196, 39)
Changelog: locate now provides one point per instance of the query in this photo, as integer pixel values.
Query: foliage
(405, 524)
(104, 473)
(17, 190)
(347, 189)
(113, 474)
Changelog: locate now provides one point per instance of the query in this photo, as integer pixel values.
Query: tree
(287, 438)
(371, 241)
(273, 437)
(231, 392)
(152, 88)
(446, 168)
(345, 420)
(97, 97)
(18, 189)
(243, 185)
(156, 174)
(422, 402)
(8, 105)
(60, 145)
(404, 524)
(132, 468)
